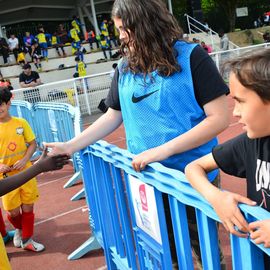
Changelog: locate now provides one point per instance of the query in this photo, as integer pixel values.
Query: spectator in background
(81, 71)
(62, 35)
(75, 23)
(80, 68)
(105, 46)
(55, 44)
(111, 31)
(195, 40)
(5, 83)
(4, 49)
(13, 44)
(92, 39)
(29, 78)
(186, 37)
(28, 40)
(42, 42)
(36, 55)
(207, 48)
(224, 40)
(104, 28)
(74, 36)
(206, 27)
(21, 57)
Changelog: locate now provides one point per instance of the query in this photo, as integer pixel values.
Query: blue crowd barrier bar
(129, 222)
(58, 122)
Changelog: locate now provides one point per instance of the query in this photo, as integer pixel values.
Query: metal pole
(90, 18)
(82, 21)
(85, 95)
(1, 32)
(94, 17)
(170, 6)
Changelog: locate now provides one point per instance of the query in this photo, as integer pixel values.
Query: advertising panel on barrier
(145, 208)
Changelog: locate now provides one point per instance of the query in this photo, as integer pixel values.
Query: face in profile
(123, 33)
(252, 112)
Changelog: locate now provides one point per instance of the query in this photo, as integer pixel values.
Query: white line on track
(58, 179)
(60, 215)
(102, 268)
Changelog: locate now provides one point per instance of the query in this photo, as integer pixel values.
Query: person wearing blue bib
(167, 92)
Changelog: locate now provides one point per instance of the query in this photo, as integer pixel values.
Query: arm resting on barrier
(217, 119)
(102, 127)
(224, 203)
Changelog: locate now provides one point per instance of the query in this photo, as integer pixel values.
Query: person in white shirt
(224, 41)
(13, 44)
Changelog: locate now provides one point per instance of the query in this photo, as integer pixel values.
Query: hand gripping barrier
(129, 222)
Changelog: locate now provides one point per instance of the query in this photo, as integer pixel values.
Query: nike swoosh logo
(140, 98)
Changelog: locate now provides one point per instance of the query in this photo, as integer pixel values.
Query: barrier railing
(222, 56)
(57, 122)
(85, 93)
(129, 221)
(194, 26)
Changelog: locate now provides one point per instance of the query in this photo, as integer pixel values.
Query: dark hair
(114, 65)
(77, 58)
(153, 31)
(5, 95)
(253, 72)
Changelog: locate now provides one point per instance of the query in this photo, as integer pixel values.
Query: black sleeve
(112, 99)
(36, 75)
(208, 83)
(231, 155)
(21, 77)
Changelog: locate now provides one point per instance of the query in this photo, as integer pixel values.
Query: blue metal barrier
(58, 122)
(129, 220)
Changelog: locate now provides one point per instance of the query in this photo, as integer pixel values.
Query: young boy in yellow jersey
(55, 45)
(17, 145)
(21, 57)
(41, 37)
(44, 164)
(74, 35)
(80, 67)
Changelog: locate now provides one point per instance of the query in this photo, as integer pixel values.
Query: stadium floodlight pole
(82, 20)
(170, 6)
(87, 12)
(94, 17)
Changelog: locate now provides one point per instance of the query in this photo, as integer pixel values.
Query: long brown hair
(152, 30)
(253, 71)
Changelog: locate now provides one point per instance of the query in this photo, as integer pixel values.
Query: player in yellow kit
(17, 145)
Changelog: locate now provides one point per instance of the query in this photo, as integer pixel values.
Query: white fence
(86, 92)
(222, 56)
